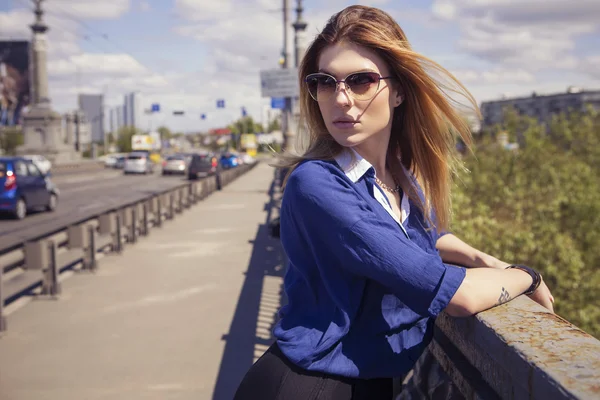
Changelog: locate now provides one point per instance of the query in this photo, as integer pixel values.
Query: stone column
(39, 58)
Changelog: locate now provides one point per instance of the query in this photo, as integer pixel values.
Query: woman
(363, 218)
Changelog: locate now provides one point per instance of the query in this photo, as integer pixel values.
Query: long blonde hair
(424, 127)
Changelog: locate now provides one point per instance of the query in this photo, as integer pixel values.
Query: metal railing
(38, 261)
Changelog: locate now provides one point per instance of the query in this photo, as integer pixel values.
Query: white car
(41, 162)
(138, 163)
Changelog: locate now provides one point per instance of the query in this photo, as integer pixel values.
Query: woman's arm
(455, 251)
(484, 289)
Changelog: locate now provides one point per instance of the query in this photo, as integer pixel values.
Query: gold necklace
(386, 187)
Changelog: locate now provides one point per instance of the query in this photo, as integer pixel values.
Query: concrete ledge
(519, 351)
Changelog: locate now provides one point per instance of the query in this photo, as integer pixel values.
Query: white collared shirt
(354, 166)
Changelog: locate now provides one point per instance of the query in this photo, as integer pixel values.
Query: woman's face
(351, 119)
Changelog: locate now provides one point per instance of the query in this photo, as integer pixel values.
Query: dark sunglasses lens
(320, 85)
(363, 85)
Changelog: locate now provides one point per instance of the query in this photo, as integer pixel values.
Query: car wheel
(52, 203)
(20, 209)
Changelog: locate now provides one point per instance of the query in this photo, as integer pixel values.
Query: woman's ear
(399, 99)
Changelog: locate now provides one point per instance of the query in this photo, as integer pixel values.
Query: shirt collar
(353, 165)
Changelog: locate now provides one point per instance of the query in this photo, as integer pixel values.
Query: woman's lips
(344, 124)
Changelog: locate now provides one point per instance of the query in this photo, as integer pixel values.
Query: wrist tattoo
(504, 297)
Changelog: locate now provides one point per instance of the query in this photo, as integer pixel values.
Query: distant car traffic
(174, 164)
(138, 163)
(202, 165)
(23, 187)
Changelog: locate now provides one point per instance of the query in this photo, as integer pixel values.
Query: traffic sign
(155, 107)
(202, 116)
(278, 102)
(220, 103)
(279, 83)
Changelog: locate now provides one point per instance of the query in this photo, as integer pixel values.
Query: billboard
(14, 81)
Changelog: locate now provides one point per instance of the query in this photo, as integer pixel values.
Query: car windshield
(135, 157)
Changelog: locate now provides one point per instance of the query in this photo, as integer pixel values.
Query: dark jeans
(274, 377)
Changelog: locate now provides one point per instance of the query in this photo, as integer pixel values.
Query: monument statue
(42, 127)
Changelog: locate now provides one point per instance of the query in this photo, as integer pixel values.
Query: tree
(165, 133)
(540, 205)
(10, 138)
(124, 136)
(274, 125)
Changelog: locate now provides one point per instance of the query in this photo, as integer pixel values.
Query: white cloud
(497, 76)
(105, 9)
(540, 34)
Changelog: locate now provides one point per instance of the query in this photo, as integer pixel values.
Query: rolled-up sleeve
(342, 231)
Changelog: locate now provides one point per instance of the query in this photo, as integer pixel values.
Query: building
(132, 110)
(92, 106)
(114, 119)
(541, 107)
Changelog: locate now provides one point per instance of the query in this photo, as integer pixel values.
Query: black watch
(537, 278)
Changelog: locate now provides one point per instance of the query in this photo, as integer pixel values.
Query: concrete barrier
(515, 351)
(37, 262)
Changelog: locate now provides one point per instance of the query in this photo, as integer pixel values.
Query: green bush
(540, 205)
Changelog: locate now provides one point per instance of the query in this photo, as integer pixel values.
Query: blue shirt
(363, 288)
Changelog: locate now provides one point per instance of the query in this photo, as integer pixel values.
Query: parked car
(229, 160)
(138, 163)
(202, 165)
(40, 161)
(23, 187)
(174, 164)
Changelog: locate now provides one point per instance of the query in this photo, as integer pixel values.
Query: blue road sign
(244, 113)
(278, 102)
(220, 103)
(202, 116)
(155, 107)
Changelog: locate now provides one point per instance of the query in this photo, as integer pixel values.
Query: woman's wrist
(535, 277)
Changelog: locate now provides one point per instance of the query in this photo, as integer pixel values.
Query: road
(85, 194)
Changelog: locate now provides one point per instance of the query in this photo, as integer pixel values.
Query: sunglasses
(359, 85)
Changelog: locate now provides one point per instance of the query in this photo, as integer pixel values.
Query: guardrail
(515, 351)
(79, 166)
(37, 261)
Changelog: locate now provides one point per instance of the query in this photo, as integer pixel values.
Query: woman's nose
(341, 95)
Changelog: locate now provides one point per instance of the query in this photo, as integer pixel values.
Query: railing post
(218, 180)
(171, 205)
(50, 284)
(181, 205)
(91, 263)
(118, 234)
(158, 213)
(134, 223)
(2, 318)
(145, 223)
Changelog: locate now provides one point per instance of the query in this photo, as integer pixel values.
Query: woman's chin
(347, 140)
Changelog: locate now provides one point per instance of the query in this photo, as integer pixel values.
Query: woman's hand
(543, 296)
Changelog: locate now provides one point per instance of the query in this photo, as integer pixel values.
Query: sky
(187, 54)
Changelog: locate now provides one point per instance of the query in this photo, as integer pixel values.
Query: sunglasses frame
(346, 86)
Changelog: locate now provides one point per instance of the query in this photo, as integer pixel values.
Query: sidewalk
(182, 314)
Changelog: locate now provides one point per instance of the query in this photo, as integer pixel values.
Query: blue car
(229, 160)
(23, 187)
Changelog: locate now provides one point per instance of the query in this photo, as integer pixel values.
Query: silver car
(138, 163)
(175, 164)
